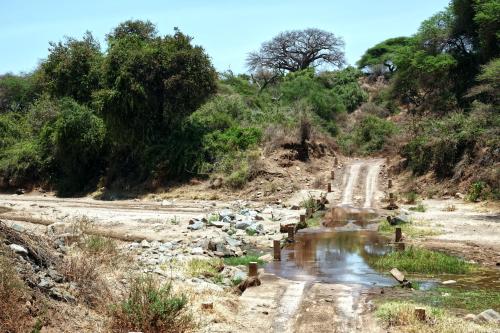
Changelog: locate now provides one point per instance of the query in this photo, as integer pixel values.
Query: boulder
(489, 316)
(145, 244)
(256, 227)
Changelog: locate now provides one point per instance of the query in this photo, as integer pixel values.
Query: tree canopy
(297, 50)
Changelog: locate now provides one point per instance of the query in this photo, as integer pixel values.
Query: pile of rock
(229, 221)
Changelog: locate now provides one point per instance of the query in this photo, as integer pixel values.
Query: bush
(21, 163)
(476, 191)
(151, 308)
(369, 136)
(74, 144)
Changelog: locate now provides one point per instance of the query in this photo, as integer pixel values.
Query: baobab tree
(298, 49)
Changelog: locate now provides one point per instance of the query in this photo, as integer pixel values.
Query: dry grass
(13, 316)
(151, 307)
(84, 271)
(400, 317)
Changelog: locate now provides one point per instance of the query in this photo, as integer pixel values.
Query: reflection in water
(341, 216)
(332, 257)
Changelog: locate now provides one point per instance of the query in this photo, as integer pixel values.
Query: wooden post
(302, 219)
(398, 235)
(332, 175)
(252, 268)
(389, 183)
(291, 233)
(420, 313)
(329, 187)
(277, 250)
(336, 161)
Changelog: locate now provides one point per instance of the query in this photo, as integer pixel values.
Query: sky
(228, 30)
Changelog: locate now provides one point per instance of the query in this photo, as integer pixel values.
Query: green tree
(383, 54)
(16, 92)
(151, 83)
(73, 147)
(72, 68)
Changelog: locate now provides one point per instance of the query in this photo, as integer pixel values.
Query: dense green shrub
(368, 136)
(73, 144)
(21, 163)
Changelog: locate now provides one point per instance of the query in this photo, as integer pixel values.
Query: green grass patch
(314, 221)
(408, 229)
(454, 298)
(96, 244)
(419, 260)
(400, 316)
(418, 208)
(243, 260)
(208, 268)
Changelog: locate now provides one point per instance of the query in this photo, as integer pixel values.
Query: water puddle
(337, 253)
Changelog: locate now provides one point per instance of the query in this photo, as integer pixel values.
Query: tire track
(352, 179)
(371, 184)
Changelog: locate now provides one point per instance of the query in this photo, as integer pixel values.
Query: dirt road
(309, 306)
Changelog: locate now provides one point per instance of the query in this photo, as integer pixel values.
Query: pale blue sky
(228, 30)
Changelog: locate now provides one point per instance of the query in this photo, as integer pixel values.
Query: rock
(201, 219)
(46, 283)
(295, 207)
(489, 316)
(54, 275)
(259, 218)
(226, 213)
(20, 191)
(166, 203)
(243, 225)
(62, 295)
(197, 251)
(17, 227)
(18, 249)
(396, 220)
(266, 257)
(145, 244)
(196, 225)
(396, 274)
(449, 282)
(232, 241)
(218, 224)
(470, 317)
(256, 227)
